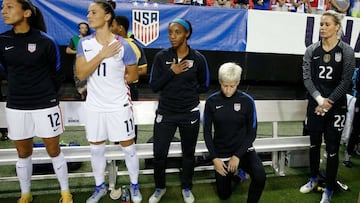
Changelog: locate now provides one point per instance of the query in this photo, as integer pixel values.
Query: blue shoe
(326, 196)
(156, 197)
(188, 196)
(309, 186)
(242, 176)
(135, 193)
(100, 191)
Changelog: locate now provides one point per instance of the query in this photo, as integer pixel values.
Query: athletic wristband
(320, 100)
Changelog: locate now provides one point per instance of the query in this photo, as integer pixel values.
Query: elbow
(80, 75)
(68, 50)
(142, 70)
(132, 78)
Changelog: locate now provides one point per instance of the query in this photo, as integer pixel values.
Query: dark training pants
(331, 126)
(252, 165)
(165, 126)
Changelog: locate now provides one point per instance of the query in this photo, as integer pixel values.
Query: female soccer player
(109, 64)
(179, 73)
(32, 62)
(232, 113)
(328, 66)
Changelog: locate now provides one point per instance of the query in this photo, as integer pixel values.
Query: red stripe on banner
(146, 35)
(153, 31)
(151, 36)
(157, 29)
(136, 30)
(141, 34)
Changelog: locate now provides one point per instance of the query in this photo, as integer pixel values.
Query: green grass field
(277, 189)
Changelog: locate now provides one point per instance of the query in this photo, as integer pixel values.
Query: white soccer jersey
(107, 88)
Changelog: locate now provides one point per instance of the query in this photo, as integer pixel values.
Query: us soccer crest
(338, 56)
(159, 118)
(145, 26)
(237, 106)
(31, 47)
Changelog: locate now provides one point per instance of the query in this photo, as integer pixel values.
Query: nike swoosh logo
(316, 57)
(332, 155)
(192, 122)
(168, 62)
(8, 48)
(219, 107)
(87, 50)
(55, 129)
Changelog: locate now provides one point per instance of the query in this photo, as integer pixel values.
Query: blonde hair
(229, 72)
(337, 19)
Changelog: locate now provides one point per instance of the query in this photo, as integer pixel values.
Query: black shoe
(4, 137)
(347, 164)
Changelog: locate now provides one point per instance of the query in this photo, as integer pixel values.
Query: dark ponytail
(108, 8)
(36, 20)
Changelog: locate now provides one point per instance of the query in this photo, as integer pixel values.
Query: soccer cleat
(242, 176)
(309, 186)
(66, 197)
(357, 152)
(115, 194)
(326, 196)
(100, 191)
(342, 185)
(348, 164)
(25, 198)
(188, 196)
(156, 197)
(135, 193)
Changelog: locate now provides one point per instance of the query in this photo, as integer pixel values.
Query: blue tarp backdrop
(213, 28)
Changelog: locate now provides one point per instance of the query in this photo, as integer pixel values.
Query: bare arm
(131, 73)
(70, 51)
(142, 70)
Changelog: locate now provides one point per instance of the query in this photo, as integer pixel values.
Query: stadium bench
(144, 111)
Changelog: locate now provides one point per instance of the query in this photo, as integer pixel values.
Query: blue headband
(182, 22)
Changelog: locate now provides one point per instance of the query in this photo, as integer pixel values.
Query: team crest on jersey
(338, 56)
(326, 58)
(31, 48)
(145, 25)
(159, 118)
(237, 106)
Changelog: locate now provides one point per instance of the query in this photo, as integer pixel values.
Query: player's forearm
(84, 69)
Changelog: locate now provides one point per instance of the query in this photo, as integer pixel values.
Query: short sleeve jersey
(107, 88)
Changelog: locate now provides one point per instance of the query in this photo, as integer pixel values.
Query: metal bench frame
(273, 111)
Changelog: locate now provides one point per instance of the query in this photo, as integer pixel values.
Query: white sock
(61, 171)
(132, 162)
(98, 162)
(24, 172)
